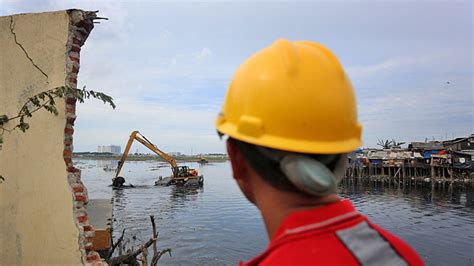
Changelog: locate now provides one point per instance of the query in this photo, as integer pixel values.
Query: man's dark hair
(269, 169)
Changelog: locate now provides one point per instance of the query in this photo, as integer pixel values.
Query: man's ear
(241, 170)
(239, 166)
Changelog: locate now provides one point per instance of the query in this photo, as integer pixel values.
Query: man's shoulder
(319, 249)
(353, 243)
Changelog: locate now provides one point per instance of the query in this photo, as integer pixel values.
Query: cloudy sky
(168, 64)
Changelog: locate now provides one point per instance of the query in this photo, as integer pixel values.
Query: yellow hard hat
(292, 96)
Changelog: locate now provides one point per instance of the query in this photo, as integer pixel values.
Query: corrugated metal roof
(377, 155)
(387, 154)
(432, 145)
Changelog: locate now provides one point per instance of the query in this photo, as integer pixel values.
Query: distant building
(216, 155)
(458, 144)
(110, 148)
(426, 146)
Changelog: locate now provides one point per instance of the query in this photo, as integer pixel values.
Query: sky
(168, 64)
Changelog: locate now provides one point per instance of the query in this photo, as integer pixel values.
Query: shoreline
(188, 159)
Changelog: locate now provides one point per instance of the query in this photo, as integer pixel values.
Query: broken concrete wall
(42, 200)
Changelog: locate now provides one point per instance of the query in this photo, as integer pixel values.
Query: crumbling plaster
(42, 200)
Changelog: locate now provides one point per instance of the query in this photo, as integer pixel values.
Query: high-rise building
(110, 148)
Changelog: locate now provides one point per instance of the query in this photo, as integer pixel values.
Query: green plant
(46, 100)
(388, 144)
(385, 144)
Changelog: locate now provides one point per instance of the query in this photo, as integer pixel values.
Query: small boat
(202, 161)
(107, 168)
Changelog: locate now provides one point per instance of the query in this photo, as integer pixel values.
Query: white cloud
(438, 61)
(203, 54)
(390, 64)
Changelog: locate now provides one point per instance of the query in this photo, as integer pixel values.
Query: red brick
(75, 59)
(72, 80)
(67, 153)
(76, 49)
(92, 257)
(78, 189)
(82, 219)
(89, 247)
(80, 198)
(69, 131)
(71, 100)
(71, 110)
(88, 228)
(72, 169)
(68, 161)
(76, 41)
(75, 69)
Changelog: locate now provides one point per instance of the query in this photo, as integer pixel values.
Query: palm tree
(385, 144)
(389, 144)
(397, 144)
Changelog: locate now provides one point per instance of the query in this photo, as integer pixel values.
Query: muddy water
(215, 225)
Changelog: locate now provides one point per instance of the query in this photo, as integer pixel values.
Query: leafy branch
(385, 144)
(389, 144)
(47, 100)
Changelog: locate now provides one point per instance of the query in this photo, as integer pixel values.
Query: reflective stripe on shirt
(368, 246)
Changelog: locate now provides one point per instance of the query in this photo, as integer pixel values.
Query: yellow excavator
(180, 174)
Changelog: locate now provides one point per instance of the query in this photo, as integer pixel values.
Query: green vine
(46, 100)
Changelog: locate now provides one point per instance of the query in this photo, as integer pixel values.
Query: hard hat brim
(293, 145)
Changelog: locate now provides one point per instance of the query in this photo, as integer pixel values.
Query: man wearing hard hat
(290, 117)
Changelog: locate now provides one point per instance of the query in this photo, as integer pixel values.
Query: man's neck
(276, 205)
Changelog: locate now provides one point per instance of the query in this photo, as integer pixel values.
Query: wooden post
(432, 175)
(403, 174)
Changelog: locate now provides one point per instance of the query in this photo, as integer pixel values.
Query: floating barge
(183, 181)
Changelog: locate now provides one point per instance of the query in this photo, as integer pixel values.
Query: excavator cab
(184, 171)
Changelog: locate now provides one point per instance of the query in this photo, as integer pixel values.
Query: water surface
(215, 225)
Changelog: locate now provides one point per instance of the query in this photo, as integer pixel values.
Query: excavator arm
(143, 140)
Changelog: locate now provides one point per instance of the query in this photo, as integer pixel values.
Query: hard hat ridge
(288, 55)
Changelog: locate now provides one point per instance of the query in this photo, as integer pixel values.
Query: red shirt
(335, 234)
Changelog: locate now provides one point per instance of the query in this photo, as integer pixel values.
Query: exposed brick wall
(79, 29)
